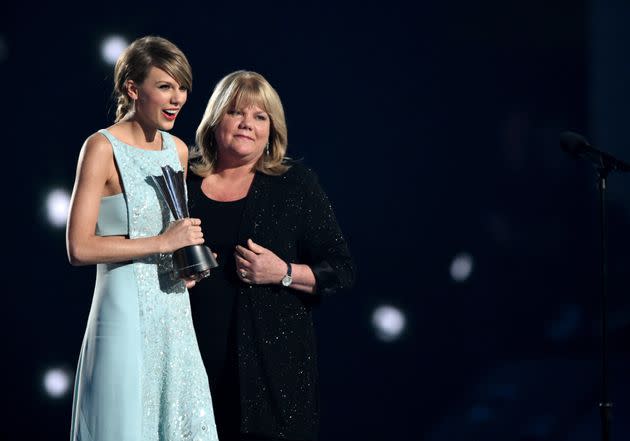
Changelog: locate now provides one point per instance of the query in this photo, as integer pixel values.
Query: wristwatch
(287, 279)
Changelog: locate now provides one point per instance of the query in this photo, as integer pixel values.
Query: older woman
(280, 248)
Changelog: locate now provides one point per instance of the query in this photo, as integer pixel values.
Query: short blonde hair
(136, 62)
(235, 90)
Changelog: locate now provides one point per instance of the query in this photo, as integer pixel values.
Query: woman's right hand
(181, 233)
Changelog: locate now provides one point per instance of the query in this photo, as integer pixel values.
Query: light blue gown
(140, 376)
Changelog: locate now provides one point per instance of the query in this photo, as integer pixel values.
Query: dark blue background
(434, 129)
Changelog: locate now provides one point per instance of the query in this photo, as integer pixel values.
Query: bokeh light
(57, 204)
(461, 267)
(57, 382)
(112, 47)
(389, 322)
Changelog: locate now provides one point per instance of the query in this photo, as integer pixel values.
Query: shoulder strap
(168, 141)
(108, 135)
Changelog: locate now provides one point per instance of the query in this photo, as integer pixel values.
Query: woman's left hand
(257, 265)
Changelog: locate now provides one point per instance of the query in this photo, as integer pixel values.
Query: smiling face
(243, 133)
(157, 100)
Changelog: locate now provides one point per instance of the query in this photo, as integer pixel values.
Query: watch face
(286, 280)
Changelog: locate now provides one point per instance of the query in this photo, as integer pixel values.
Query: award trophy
(194, 261)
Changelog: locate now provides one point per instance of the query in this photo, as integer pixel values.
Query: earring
(267, 149)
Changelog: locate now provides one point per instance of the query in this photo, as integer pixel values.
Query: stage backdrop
(434, 128)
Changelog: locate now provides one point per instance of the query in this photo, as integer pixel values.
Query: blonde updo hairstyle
(136, 62)
(241, 89)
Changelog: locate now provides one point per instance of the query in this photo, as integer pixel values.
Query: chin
(247, 154)
(166, 126)
(244, 150)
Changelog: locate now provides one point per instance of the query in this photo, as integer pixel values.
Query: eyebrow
(166, 81)
(257, 111)
(242, 108)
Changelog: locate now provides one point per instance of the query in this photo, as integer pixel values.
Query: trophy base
(193, 262)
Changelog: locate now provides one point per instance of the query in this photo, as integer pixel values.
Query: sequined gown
(140, 376)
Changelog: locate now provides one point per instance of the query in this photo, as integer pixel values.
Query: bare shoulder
(95, 165)
(96, 145)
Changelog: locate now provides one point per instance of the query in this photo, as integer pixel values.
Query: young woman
(140, 375)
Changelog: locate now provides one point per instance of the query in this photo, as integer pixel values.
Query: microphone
(578, 147)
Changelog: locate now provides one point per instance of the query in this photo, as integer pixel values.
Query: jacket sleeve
(322, 245)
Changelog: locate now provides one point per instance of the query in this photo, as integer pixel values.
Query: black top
(274, 341)
(213, 306)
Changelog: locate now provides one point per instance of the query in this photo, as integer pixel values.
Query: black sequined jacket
(291, 216)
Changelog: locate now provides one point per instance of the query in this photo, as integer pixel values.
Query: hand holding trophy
(195, 261)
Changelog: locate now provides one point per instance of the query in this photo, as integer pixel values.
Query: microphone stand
(605, 406)
(578, 147)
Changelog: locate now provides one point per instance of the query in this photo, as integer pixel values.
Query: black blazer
(291, 216)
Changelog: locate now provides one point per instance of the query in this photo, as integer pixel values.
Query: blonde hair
(136, 62)
(234, 90)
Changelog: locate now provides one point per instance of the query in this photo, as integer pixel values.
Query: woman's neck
(233, 169)
(228, 184)
(141, 134)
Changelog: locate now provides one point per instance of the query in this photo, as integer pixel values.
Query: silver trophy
(193, 262)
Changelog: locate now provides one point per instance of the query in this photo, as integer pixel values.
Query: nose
(246, 122)
(179, 97)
